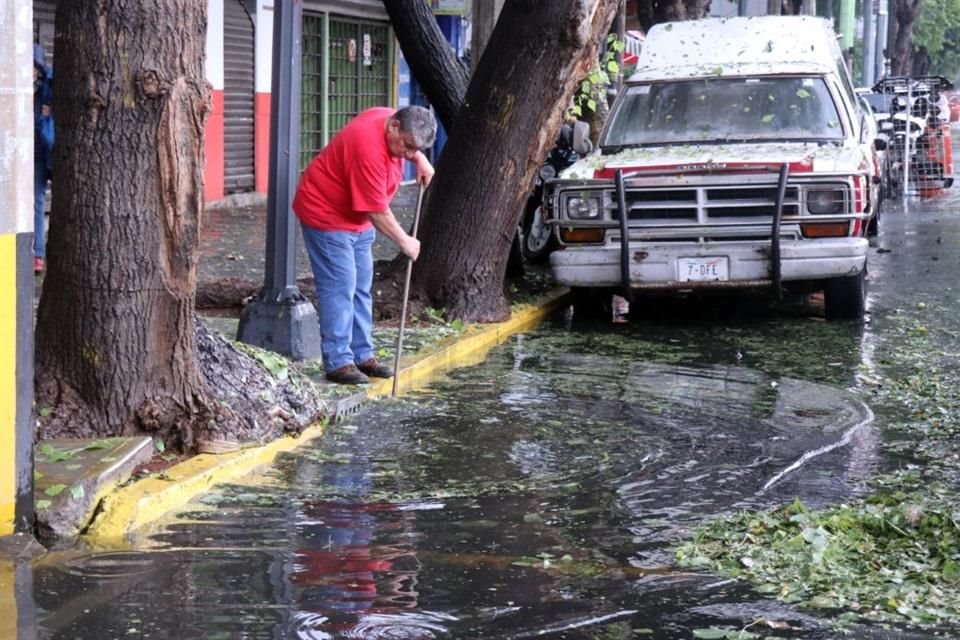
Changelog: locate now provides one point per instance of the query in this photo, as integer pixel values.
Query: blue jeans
(342, 263)
(39, 195)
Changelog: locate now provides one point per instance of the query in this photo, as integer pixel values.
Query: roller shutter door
(238, 98)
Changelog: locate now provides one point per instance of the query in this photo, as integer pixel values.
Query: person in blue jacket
(42, 150)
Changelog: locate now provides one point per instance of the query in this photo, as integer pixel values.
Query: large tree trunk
(510, 118)
(115, 334)
(432, 60)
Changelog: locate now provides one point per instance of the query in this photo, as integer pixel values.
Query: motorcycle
(538, 239)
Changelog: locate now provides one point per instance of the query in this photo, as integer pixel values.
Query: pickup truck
(736, 156)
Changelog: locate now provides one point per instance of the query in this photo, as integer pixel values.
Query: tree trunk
(905, 13)
(116, 342)
(431, 59)
(651, 12)
(510, 118)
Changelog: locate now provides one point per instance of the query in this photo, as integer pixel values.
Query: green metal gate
(347, 67)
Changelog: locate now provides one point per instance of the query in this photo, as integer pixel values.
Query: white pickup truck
(736, 156)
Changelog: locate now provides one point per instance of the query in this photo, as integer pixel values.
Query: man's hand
(424, 169)
(411, 247)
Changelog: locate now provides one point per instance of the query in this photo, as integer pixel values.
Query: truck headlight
(825, 201)
(584, 207)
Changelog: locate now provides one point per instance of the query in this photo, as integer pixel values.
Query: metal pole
(406, 296)
(882, 32)
(281, 318)
(869, 43)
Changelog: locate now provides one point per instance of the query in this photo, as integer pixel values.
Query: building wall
(213, 142)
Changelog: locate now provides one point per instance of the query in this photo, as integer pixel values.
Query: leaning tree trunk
(432, 60)
(510, 118)
(115, 340)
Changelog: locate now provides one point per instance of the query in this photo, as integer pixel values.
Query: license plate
(703, 269)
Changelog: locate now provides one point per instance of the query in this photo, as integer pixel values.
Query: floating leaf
(55, 490)
(104, 443)
(43, 504)
(77, 491)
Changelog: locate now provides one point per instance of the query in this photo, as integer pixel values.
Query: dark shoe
(39, 264)
(375, 369)
(347, 374)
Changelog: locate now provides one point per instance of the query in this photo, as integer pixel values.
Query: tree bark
(510, 118)
(431, 59)
(905, 13)
(116, 331)
(651, 12)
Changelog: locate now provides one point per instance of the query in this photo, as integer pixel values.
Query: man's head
(409, 130)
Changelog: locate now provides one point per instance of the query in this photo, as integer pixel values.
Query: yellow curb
(470, 347)
(133, 506)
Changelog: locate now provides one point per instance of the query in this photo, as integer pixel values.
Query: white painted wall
(214, 69)
(263, 33)
(16, 117)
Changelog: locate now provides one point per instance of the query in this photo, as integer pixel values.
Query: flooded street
(543, 492)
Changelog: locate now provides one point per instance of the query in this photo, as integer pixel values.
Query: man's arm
(424, 168)
(386, 223)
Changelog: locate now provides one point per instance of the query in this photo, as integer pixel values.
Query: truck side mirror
(581, 138)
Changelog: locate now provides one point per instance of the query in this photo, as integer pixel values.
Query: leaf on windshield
(803, 93)
(767, 118)
(717, 71)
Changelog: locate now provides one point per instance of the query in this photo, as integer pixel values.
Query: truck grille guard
(622, 212)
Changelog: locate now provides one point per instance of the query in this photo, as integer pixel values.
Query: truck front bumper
(657, 266)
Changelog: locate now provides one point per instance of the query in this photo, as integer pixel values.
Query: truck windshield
(718, 110)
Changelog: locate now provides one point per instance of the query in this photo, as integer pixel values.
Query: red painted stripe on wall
(213, 144)
(261, 134)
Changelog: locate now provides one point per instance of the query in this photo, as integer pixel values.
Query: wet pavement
(540, 493)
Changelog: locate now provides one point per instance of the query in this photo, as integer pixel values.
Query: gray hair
(418, 122)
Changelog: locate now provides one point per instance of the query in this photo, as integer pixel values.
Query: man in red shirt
(342, 200)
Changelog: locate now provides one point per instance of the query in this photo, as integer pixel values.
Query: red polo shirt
(351, 177)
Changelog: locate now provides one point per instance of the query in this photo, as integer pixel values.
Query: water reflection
(535, 495)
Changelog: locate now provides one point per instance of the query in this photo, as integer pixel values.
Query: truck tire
(538, 239)
(845, 298)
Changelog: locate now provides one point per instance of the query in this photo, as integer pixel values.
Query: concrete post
(845, 28)
(16, 267)
(16, 319)
(281, 319)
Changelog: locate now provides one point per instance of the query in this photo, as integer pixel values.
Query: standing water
(535, 495)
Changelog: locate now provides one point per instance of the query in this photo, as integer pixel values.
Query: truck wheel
(845, 298)
(538, 238)
(873, 227)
